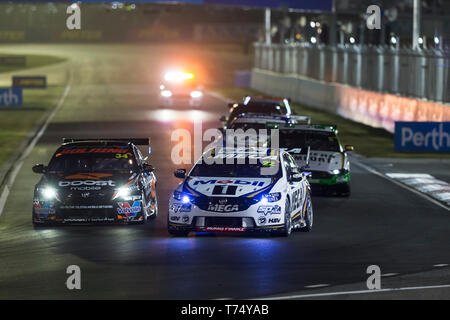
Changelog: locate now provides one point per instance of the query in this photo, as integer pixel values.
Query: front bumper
(256, 218)
(45, 212)
(326, 179)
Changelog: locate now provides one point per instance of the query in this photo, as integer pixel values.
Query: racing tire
(309, 216)
(344, 190)
(287, 229)
(178, 233)
(155, 213)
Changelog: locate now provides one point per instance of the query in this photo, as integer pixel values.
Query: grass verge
(17, 122)
(368, 141)
(33, 61)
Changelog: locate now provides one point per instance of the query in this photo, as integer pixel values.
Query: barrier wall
(375, 109)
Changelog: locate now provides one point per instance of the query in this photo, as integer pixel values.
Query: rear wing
(302, 119)
(136, 141)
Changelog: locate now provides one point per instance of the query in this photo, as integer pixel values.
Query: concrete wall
(371, 108)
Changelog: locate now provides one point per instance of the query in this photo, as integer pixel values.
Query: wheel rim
(288, 219)
(310, 212)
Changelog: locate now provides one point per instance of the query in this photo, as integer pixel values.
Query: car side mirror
(296, 177)
(349, 148)
(223, 119)
(180, 173)
(307, 174)
(39, 168)
(148, 168)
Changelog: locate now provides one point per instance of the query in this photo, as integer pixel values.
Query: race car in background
(328, 160)
(257, 105)
(270, 194)
(180, 89)
(95, 180)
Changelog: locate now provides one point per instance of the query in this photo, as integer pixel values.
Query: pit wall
(375, 109)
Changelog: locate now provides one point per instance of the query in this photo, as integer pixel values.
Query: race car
(328, 160)
(96, 180)
(263, 190)
(263, 106)
(180, 89)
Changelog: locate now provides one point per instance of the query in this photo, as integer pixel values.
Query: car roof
(303, 127)
(244, 152)
(260, 118)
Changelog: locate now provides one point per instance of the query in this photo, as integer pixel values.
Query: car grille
(320, 175)
(243, 202)
(231, 222)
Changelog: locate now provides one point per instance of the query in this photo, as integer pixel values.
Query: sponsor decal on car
(274, 220)
(276, 209)
(176, 208)
(236, 181)
(76, 183)
(125, 208)
(175, 218)
(223, 207)
(222, 229)
(93, 150)
(88, 207)
(262, 220)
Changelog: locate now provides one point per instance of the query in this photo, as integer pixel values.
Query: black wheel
(287, 229)
(178, 233)
(155, 210)
(309, 215)
(343, 190)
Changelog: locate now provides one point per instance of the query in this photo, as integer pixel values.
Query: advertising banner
(422, 136)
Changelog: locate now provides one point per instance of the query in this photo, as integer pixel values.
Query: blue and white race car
(264, 191)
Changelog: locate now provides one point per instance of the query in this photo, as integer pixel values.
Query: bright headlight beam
(196, 94)
(176, 76)
(49, 193)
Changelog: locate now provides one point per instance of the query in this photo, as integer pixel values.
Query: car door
(296, 188)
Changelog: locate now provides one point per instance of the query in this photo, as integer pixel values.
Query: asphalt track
(112, 94)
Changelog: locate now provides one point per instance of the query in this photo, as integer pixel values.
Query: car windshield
(317, 140)
(93, 162)
(259, 107)
(256, 167)
(247, 125)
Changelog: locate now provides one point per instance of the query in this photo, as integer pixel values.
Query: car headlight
(48, 193)
(166, 93)
(196, 94)
(271, 197)
(124, 192)
(181, 196)
(338, 171)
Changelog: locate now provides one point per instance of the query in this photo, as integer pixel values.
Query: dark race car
(96, 181)
(257, 105)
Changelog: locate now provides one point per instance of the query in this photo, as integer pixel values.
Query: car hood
(75, 181)
(226, 186)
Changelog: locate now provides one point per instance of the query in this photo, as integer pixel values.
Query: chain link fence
(422, 74)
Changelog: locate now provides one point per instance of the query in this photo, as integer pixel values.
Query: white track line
(317, 286)
(26, 153)
(375, 172)
(340, 293)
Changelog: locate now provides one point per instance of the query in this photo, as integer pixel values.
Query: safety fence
(422, 74)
